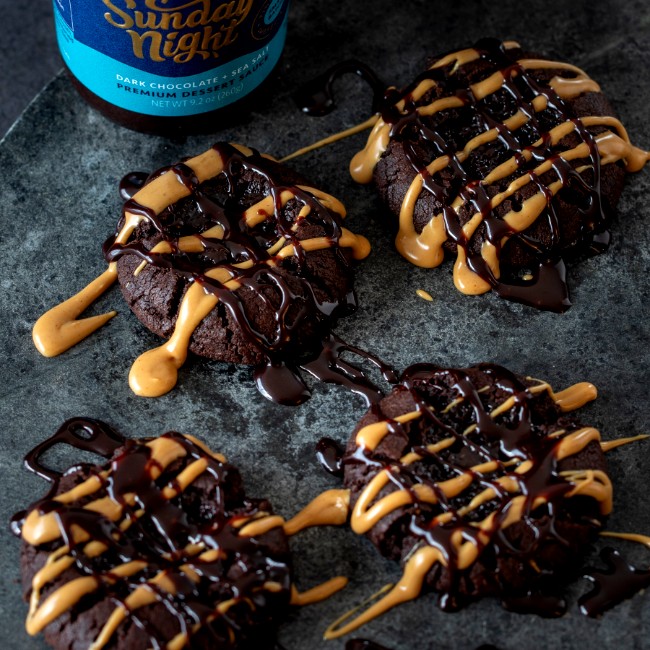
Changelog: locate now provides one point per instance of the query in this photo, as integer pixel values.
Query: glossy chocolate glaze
(618, 582)
(329, 454)
(316, 97)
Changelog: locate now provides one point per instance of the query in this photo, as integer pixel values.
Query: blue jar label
(171, 57)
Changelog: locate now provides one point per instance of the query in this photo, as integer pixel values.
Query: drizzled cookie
(159, 547)
(479, 482)
(506, 161)
(229, 255)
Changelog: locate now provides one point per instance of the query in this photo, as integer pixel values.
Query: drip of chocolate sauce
(516, 436)
(80, 433)
(617, 583)
(329, 454)
(297, 307)
(316, 97)
(131, 184)
(160, 535)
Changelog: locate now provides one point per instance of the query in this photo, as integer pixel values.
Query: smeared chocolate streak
(316, 97)
(618, 582)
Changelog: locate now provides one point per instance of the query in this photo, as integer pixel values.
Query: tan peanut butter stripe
(425, 295)
(630, 537)
(318, 593)
(156, 371)
(528, 477)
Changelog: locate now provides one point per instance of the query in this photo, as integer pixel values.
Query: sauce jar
(170, 66)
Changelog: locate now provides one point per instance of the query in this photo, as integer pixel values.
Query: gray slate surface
(60, 167)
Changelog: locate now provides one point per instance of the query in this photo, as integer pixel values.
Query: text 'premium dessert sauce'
(170, 66)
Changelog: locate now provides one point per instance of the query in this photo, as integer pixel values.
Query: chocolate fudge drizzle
(526, 148)
(316, 97)
(126, 531)
(617, 583)
(228, 249)
(511, 471)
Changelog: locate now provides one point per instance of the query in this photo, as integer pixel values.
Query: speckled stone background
(60, 167)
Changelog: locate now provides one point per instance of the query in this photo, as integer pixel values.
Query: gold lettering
(231, 37)
(153, 5)
(189, 46)
(168, 52)
(149, 21)
(138, 41)
(226, 10)
(244, 8)
(128, 20)
(154, 44)
(195, 19)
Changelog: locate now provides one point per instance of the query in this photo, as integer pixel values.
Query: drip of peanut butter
(425, 295)
(318, 593)
(330, 508)
(58, 330)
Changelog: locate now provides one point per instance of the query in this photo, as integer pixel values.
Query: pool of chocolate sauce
(62, 164)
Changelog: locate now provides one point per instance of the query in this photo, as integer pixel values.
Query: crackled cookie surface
(157, 548)
(505, 160)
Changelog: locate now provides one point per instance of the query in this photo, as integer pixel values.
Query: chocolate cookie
(158, 547)
(479, 484)
(269, 251)
(508, 161)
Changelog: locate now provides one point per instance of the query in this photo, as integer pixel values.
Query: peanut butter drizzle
(571, 398)
(613, 444)
(629, 537)
(370, 508)
(155, 372)
(57, 330)
(330, 508)
(425, 249)
(318, 593)
(335, 137)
